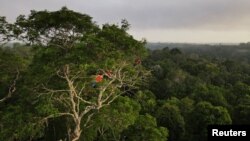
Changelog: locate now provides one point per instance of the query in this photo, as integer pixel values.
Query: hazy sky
(200, 21)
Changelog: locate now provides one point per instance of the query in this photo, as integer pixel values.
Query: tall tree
(78, 68)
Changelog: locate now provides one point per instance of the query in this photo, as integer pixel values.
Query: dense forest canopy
(239, 52)
(70, 79)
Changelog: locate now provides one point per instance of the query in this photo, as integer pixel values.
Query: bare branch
(54, 91)
(45, 119)
(12, 87)
(79, 105)
(88, 119)
(86, 110)
(84, 101)
(99, 100)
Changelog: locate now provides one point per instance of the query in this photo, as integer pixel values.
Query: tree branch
(45, 119)
(12, 87)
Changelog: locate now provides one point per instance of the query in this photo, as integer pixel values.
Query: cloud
(215, 14)
(145, 13)
(148, 15)
(189, 36)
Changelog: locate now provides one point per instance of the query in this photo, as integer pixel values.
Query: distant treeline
(240, 52)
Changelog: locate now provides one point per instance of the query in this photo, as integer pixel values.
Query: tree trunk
(77, 131)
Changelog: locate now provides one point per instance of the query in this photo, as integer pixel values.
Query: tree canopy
(63, 77)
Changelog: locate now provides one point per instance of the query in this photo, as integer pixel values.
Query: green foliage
(203, 114)
(5, 31)
(112, 120)
(169, 115)
(145, 128)
(17, 123)
(189, 88)
(242, 111)
(147, 101)
(67, 44)
(60, 28)
(182, 81)
(212, 94)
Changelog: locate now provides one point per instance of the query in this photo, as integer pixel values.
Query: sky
(184, 21)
